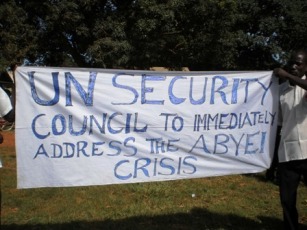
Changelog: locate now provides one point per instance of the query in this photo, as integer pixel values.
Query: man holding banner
(292, 152)
(6, 111)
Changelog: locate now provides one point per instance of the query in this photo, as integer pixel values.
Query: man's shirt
(293, 118)
(5, 103)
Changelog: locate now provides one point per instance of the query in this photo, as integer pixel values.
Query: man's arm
(10, 116)
(284, 75)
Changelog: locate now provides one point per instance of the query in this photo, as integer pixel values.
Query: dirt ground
(9, 139)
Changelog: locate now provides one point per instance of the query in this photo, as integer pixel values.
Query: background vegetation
(199, 34)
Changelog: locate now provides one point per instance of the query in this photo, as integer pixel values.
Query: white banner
(80, 127)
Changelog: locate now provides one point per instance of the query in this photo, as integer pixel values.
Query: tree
(18, 38)
(204, 35)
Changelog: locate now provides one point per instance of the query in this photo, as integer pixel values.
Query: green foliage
(203, 35)
(17, 36)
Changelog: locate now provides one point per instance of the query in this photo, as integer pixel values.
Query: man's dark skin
(297, 67)
(10, 117)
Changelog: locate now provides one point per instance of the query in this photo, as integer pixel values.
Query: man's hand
(281, 73)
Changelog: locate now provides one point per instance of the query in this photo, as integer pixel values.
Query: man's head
(297, 64)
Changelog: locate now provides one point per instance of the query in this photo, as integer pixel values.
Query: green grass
(229, 202)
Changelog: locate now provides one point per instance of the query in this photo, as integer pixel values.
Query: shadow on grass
(196, 219)
(260, 178)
